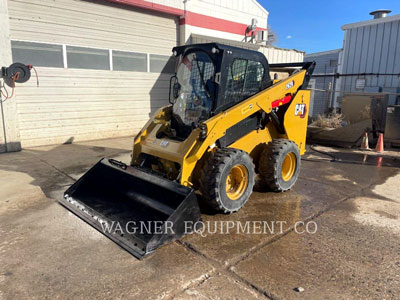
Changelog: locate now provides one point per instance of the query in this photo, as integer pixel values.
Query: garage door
(103, 68)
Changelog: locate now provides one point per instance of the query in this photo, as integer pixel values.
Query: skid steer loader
(227, 121)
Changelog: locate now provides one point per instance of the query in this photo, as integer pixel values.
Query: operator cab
(211, 78)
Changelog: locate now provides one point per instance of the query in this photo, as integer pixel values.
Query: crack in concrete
(57, 169)
(221, 268)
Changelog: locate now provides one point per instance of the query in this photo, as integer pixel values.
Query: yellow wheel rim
(236, 182)
(288, 166)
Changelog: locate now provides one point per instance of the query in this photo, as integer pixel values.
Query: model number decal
(247, 108)
(300, 110)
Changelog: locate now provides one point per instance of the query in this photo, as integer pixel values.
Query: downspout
(4, 124)
(185, 36)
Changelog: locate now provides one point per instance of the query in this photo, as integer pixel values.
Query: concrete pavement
(48, 253)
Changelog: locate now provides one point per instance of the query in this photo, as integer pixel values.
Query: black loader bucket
(137, 210)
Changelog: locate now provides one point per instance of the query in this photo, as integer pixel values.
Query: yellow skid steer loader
(227, 121)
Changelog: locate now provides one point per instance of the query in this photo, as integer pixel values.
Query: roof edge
(260, 7)
(371, 22)
(286, 49)
(324, 52)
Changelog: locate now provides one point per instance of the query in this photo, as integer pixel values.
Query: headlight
(203, 131)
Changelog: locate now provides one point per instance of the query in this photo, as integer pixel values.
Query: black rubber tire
(213, 179)
(270, 164)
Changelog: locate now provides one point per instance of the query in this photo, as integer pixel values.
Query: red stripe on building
(191, 18)
(203, 21)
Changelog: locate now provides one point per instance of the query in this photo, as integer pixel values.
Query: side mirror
(175, 89)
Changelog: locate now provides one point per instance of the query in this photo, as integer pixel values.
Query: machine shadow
(159, 93)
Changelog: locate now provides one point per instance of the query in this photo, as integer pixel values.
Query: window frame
(65, 64)
(61, 62)
(231, 76)
(146, 56)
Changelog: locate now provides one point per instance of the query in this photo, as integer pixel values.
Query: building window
(162, 64)
(37, 54)
(50, 55)
(333, 63)
(129, 61)
(88, 58)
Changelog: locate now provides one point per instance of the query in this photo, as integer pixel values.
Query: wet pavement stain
(366, 158)
(373, 160)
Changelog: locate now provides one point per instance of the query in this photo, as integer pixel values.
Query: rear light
(282, 101)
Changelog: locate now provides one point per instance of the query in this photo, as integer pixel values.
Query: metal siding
(321, 83)
(378, 53)
(355, 66)
(350, 57)
(89, 104)
(323, 62)
(392, 53)
(365, 49)
(90, 24)
(385, 52)
(372, 49)
(277, 55)
(396, 64)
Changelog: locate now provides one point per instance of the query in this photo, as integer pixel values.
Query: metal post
(333, 98)
(327, 101)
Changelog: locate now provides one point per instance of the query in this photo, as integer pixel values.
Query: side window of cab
(244, 79)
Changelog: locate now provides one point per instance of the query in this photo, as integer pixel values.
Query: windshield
(195, 74)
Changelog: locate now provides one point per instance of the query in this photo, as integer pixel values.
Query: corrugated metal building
(323, 80)
(104, 65)
(368, 63)
(371, 51)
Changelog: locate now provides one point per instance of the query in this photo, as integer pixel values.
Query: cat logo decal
(300, 110)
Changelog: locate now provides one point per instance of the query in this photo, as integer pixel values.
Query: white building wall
(179, 4)
(83, 104)
(279, 55)
(210, 34)
(240, 11)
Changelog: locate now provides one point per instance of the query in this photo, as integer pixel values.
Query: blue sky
(314, 25)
